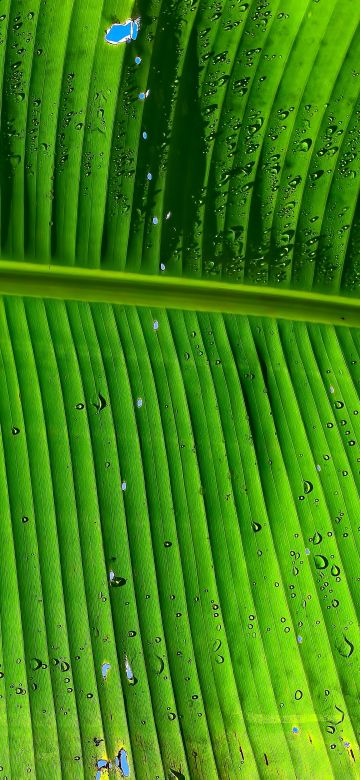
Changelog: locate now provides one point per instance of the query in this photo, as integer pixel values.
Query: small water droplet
(317, 538)
(305, 144)
(256, 526)
(101, 404)
(104, 669)
(116, 582)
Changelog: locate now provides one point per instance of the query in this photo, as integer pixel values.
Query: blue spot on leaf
(123, 33)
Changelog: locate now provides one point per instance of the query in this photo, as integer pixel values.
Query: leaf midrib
(117, 287)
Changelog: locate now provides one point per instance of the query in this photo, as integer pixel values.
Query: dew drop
(317, 538)
(256, 526)
(321, 562)
(308, 486)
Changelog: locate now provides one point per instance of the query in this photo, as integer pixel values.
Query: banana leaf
(179, 389)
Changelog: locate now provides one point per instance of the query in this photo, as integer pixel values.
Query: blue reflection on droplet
(104, 669)
(122, 762)
(123, 33)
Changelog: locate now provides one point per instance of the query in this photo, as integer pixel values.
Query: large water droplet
(123, 33)
(344, 647)
(101, 404)
(122, 763)
(321, 562)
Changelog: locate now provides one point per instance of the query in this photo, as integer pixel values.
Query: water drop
(122, 763)
(104, 669)
(123, 33)
(305, 145)
(317, 538)
(101, 404)
(308, 486)
(321, 562)
(116, 582)
(256, 526)
(345, 647)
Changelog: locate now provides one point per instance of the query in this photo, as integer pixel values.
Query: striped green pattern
(250, 160)
(210, 462)
(179, 481)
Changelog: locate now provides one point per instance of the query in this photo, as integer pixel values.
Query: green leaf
(179, 481)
